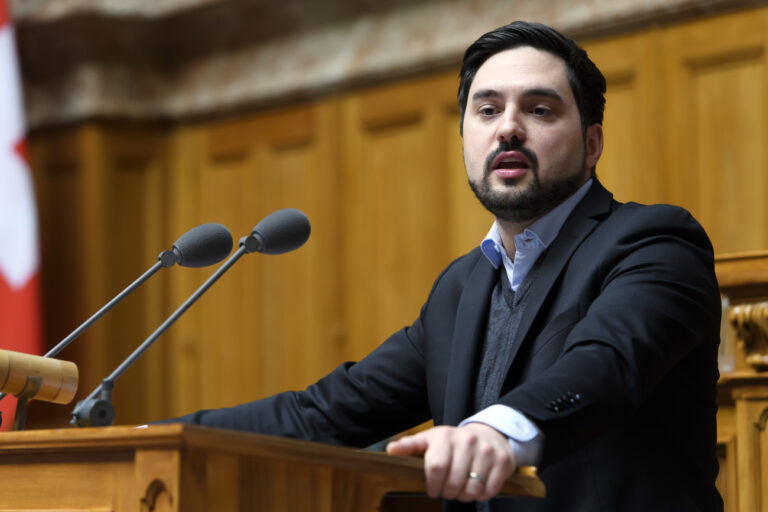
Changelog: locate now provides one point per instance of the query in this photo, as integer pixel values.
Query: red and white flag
(20, 328)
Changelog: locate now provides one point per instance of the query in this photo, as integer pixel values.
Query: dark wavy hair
(587, 82)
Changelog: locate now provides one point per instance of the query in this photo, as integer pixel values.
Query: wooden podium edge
(177, 435)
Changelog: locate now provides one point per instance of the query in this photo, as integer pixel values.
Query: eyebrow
(545, 92)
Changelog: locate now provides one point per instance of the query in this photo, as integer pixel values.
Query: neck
(508, 230)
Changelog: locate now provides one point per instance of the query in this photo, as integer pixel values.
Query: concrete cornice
(51, 10)
(171, 59)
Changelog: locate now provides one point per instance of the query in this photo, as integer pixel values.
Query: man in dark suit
(581, 336)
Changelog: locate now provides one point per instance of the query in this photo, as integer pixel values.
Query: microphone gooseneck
(279, 232)
(200, 246)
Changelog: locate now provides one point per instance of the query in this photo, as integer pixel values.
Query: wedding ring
(475, 476)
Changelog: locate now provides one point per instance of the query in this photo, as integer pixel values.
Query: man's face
(524, 148)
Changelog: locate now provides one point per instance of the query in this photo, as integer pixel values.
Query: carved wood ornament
(751, 323)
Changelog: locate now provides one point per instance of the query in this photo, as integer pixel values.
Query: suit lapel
(467, 341)
(472, 311)
(587, 214)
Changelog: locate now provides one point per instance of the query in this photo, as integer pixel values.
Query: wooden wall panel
(227, 185)
(101, 222)
(70, 181)
(90, 218)
(272, 322)
(57, 162)
(727, 478)
(301, 331)
(134, 169)
(183, 339)
(631, 165)
(716, 107)
(396, 190)
(57, 165)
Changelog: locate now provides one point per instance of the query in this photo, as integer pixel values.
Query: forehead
(523, 68)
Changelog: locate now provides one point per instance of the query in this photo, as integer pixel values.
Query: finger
(437, 464)
(502, 467)
(475, 488)
(482, 462)
(409, 445)
(464, 446)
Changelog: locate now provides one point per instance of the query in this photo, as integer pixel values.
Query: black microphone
(279, 232)
(201, 246)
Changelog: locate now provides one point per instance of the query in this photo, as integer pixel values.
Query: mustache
(516, 145)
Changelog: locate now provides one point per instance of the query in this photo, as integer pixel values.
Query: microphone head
(281, 231)
(203, 245)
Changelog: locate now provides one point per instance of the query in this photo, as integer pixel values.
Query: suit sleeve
(357, 404)
(657, 305)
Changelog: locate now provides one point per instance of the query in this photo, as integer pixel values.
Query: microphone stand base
(97, 411)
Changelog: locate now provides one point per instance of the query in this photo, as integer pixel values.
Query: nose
(510, 127)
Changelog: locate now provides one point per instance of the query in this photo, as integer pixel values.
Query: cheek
(560, 152)
(473, 168)
(473, 155)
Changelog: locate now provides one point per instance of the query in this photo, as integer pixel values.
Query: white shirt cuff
(524, 436)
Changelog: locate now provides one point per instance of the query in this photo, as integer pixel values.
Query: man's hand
(451, 454)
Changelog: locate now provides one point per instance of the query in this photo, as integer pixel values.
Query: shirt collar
(542, 232)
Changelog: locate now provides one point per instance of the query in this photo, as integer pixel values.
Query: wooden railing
(743, 385)
(186, 468)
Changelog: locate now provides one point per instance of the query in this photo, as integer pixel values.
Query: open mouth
(510, 164)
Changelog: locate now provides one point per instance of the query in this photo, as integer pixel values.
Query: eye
(487, 110)
(541, 111)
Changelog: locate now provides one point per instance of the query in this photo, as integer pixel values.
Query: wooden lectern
(185, 468)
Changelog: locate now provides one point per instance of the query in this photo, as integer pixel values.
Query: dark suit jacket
(615, 360)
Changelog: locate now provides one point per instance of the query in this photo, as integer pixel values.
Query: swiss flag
(20, 328)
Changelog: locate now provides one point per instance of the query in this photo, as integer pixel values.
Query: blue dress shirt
(524, 436)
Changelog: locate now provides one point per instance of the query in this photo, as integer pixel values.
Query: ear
(593, 143)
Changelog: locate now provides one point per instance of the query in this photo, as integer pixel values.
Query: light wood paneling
(134, 163)
(183, 340)
(751, 452)
(70, 206)
(272, 322)
(57, 164)
(631, 165)
(715, 103)
(727, 478)
(102, 222)
(396, 191)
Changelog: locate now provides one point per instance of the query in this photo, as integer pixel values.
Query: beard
(531, 202)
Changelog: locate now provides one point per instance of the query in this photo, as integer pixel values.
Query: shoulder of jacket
(654, 213)
(463, 264)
